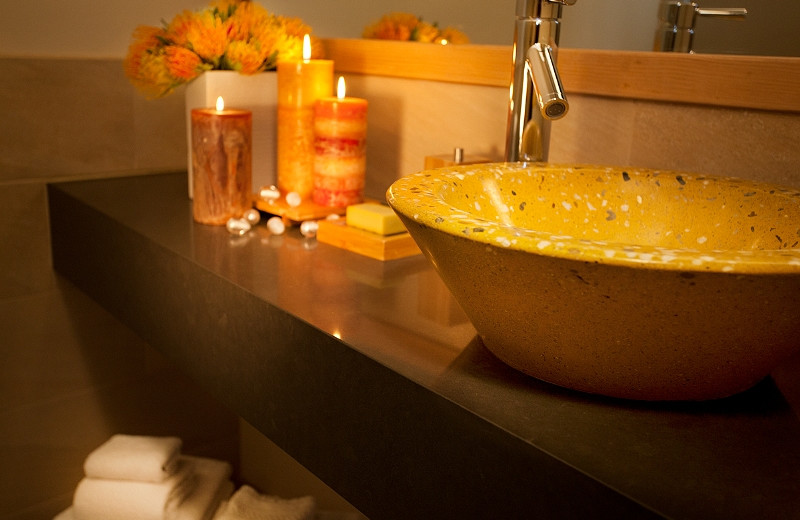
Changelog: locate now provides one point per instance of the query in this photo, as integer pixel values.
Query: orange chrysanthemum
(177, 31)
(182, 63)
(452, 35)
(152, 77)
(289, 44)
(409, 27)
(393, 26)
(245, 20)
(388, 30)
(143, 63)
(145, 39)
(425, 32)
(243, 57)
(228, 35)
(293, 26)
(208, 36)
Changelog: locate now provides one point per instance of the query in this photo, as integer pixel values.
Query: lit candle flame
(220, 104)
(306, 48)
(340, 88)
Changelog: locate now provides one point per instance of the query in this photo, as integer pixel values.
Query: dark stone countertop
(368, 374)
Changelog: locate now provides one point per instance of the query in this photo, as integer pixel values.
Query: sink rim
(417, 196)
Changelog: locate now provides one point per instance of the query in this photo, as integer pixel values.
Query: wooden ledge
(755, 82)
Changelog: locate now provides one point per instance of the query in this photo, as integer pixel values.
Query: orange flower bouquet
(409, 27)
(237, 35)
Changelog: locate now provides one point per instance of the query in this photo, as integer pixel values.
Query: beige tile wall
(750, 144)
(70, 374)
(81, 117)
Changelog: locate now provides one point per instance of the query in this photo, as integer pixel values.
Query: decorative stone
(252, 216)
(269, 193)
(309, 228)
(238, 226)
(276, 226)
(293, 199)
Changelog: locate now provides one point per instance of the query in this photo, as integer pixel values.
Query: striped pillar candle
(340, 139)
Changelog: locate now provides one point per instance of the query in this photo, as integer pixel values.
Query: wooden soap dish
(307, 210)
(391, 247)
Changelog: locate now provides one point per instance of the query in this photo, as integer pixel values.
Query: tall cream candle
(300, 84)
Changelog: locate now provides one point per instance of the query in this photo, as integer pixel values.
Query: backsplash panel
(752, 144)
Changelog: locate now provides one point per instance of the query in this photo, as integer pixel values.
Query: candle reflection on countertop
(387, 305)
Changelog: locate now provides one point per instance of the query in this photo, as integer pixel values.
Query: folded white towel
(212, 487)
(248, 504)
(104, 499)
(134, 457)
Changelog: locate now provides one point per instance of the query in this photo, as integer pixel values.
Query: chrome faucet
(676, 23)
(535, 80)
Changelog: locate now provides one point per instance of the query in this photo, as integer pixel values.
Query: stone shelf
(369, 375)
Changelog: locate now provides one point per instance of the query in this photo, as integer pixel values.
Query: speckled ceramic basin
(630, 283)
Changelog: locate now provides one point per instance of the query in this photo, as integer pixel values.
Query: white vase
(257, 93)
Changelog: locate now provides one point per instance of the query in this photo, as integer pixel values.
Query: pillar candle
(221, 163)
(300, 85)
(340, 149)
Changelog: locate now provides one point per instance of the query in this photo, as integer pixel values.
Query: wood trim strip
(472, 64)
(755, 82)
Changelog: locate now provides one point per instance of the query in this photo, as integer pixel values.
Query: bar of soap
(375, 218)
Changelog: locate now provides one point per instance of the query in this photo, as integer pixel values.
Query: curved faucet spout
(549, 93)
(536, 95)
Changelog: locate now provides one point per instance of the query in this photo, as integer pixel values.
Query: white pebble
(309, 228)
(237, 226)
(276, 226)
(252, 216)
(293, 199)
(269, 193)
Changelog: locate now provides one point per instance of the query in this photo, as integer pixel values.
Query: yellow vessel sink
(631, 283)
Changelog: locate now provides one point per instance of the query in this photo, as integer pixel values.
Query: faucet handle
(548, 9)
(735, 13)
(677, 23)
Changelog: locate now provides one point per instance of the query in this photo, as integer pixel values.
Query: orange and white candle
(340, 149)
(300, 85)
(221, 163)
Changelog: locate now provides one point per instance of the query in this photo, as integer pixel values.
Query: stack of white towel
(249, 504)
(147, 478)
(133, 477)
